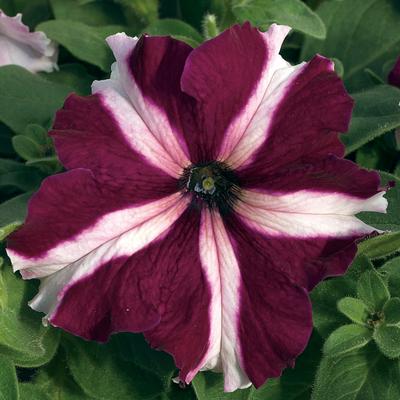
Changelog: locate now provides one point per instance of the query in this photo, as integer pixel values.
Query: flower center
(211, 183)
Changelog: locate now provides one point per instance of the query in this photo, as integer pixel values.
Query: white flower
(31, 50)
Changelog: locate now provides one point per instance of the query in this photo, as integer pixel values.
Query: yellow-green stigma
(211, 183)
(208, 184)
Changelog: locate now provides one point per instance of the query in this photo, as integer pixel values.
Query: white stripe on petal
(145, 125)
(257, 130)
(223, 275)
(249, 129)
(137, 133)
(307, 213)
(107, 229)
(53, 287)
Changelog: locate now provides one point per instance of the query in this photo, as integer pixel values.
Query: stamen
(212, 184)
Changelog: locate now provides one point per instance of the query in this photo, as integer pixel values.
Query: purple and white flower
(206, 195)
(31, 50)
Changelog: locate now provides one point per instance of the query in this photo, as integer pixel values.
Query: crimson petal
(87, 135)
(328, 174)
(160, 289)
(275, 312)
(305, 122)
(224, 75)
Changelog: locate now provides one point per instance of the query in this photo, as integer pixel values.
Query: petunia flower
(31, 50)
(206, 195)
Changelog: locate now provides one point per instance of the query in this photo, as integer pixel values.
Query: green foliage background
(355, 348)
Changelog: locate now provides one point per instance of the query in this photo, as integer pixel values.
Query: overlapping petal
(221, 267)
(308, 235)
(328, 174)
(229, 76)
(93, 132)
(110, 186)
(284, 244)
(31, 50)
(309, 213)
(83, 216)
(157, 286)
(312, 108)
(275, 311)
(146, 83)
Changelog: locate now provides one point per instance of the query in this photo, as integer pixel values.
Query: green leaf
(26, 147)
(74, 76)
(96, 13)
(175, 392)
(326, 295)
(62, 390)
(372, 290)
(134, 348)
(7, 6)
(30, 391)
(289, 12)
(49, 165)
(176, 28)
(85, 42)
(359, 375)
(23, 338)
(360, 33)
(14, 210)
(391, 271)
(353, 309)
(187, 40)
(339, 68)
(102, 374)
(146, 11)
(388, 340)
(33, 11)
(388, 66)
(37, 98)
(6, 149)
(391, 311)
(3, 288)
(375, 78)
(15, 174)
(391, 220)
(8, 380)
(53, 381)
(191, 11)
(8, 229)
(376, 111)
(347, 338)
(380, 246)
(210, 386)
(39, 135)
(371, 156)
(378, 154)
(222, 9)
(294, 384)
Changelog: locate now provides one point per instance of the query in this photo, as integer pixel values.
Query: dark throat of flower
(212, 184)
